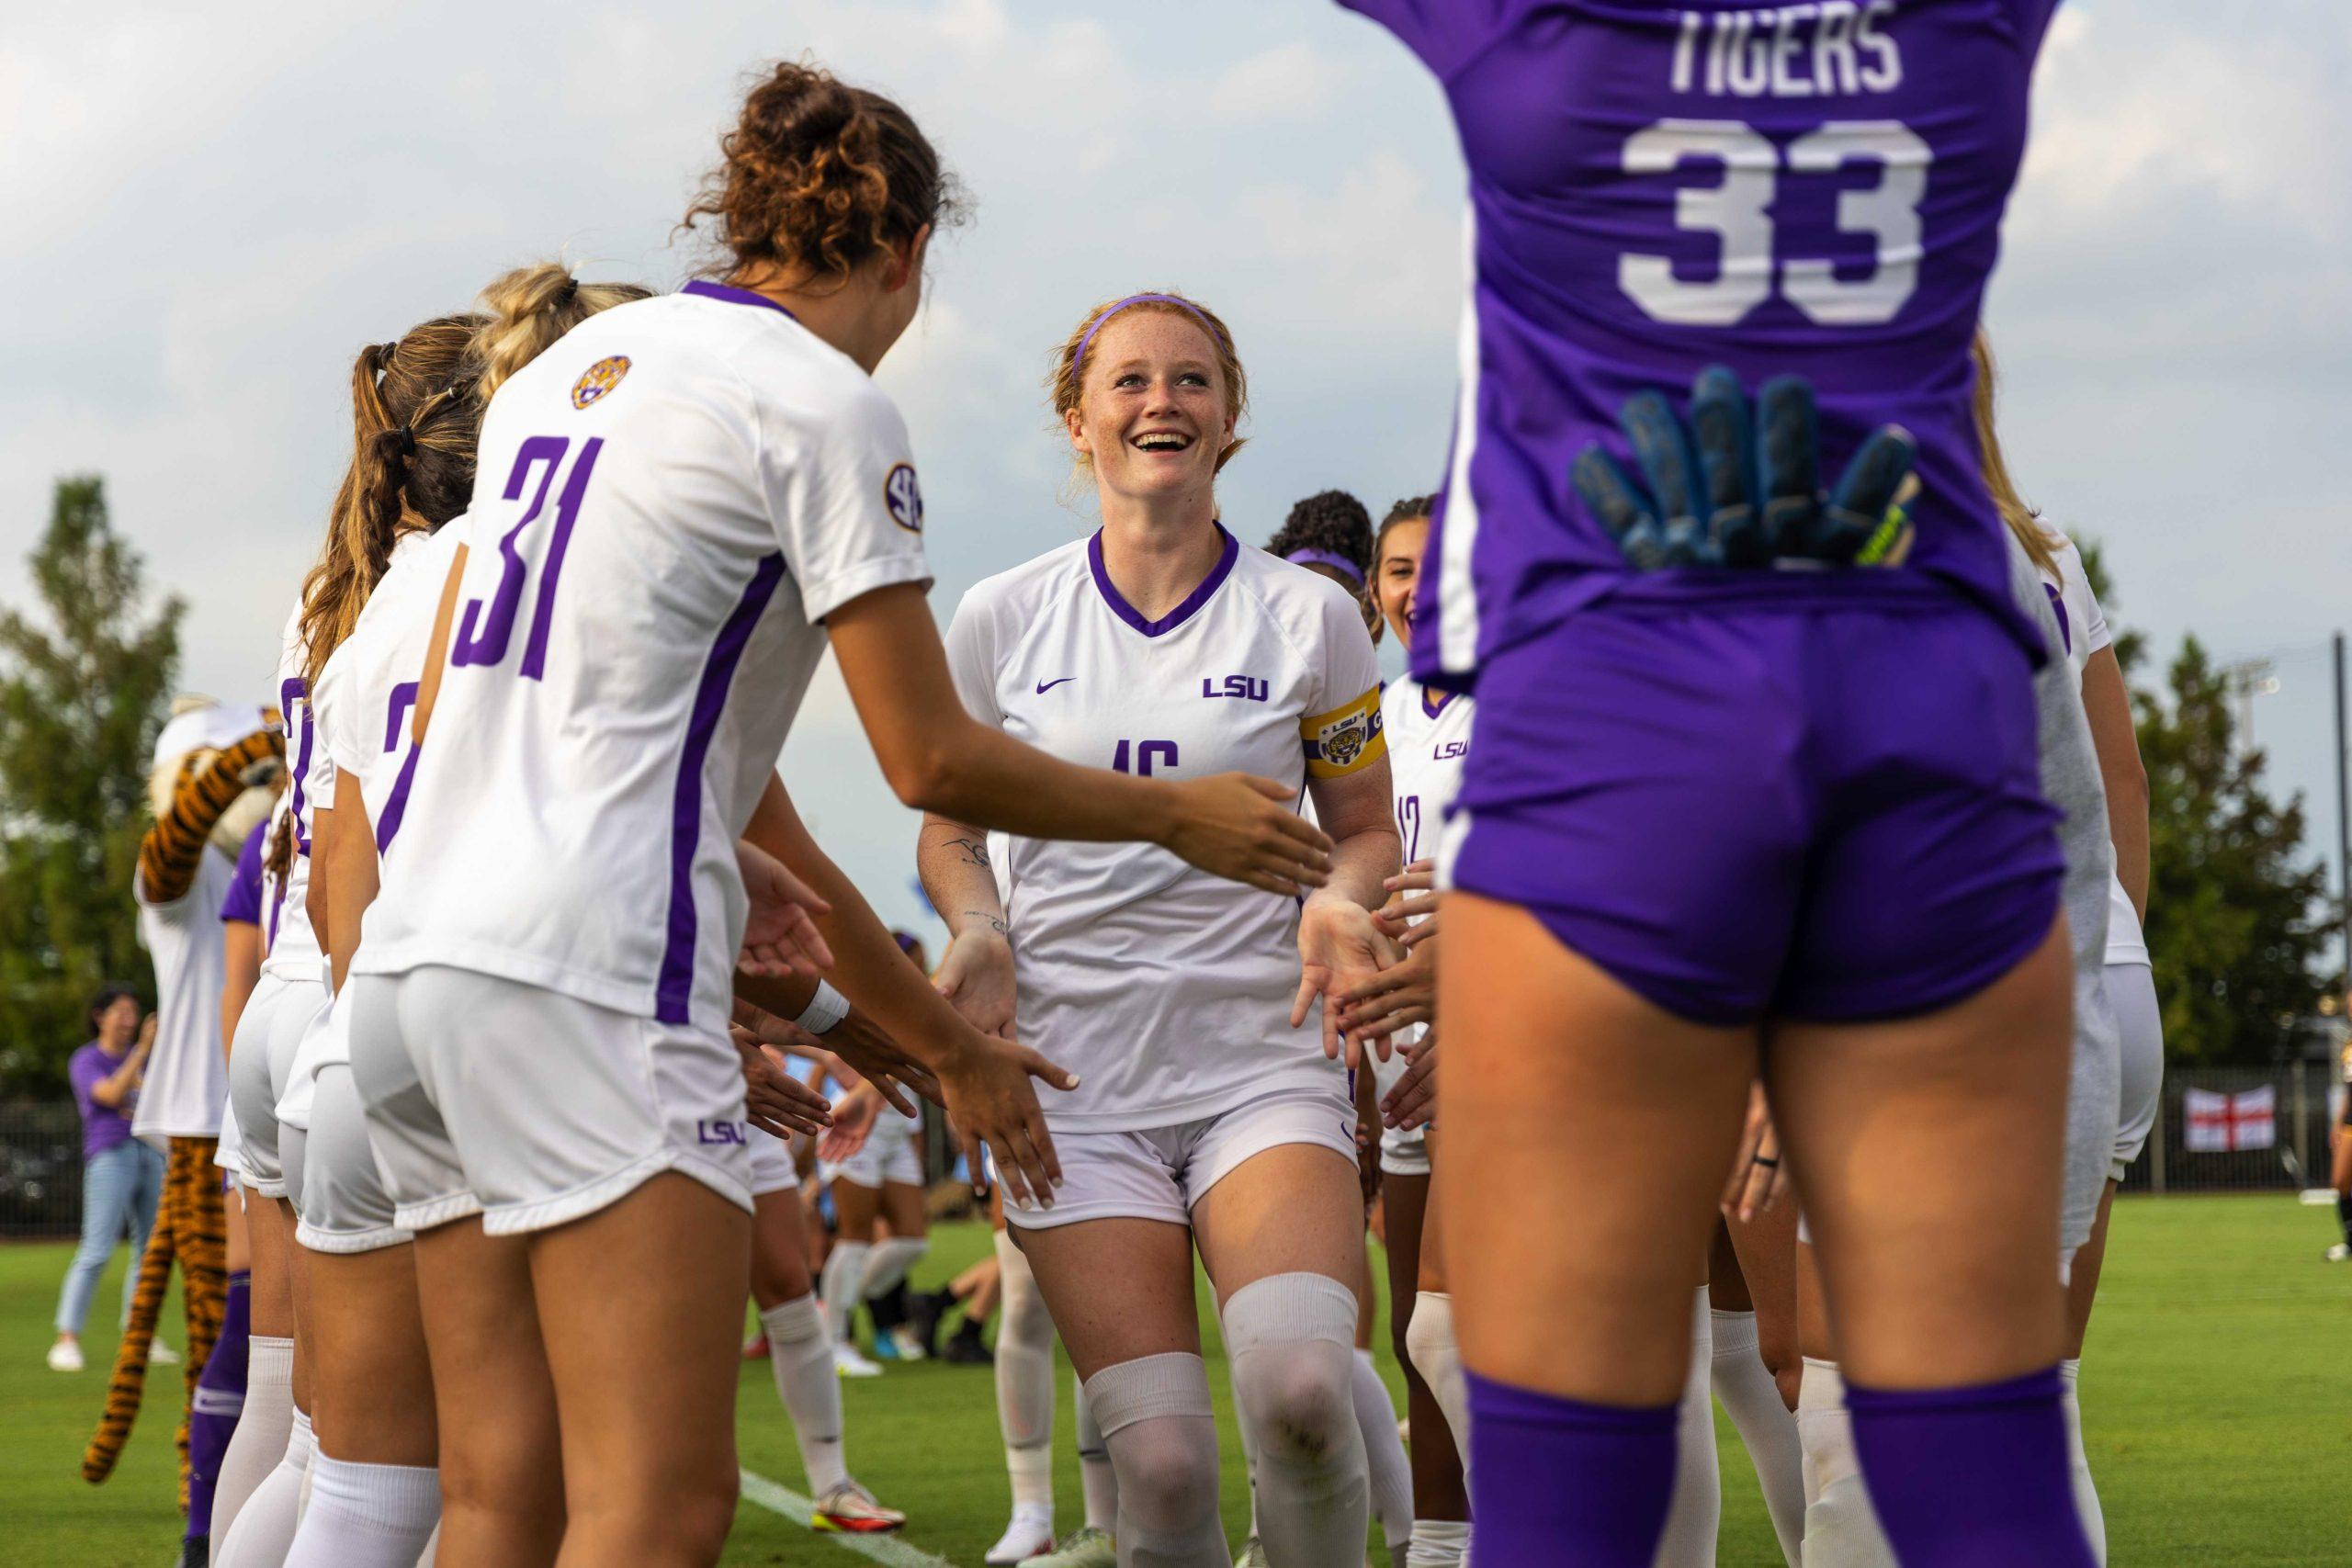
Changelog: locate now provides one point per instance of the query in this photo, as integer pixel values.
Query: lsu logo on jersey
(1344, 739)
(1243, 688)
(599, 379)
(903, 496)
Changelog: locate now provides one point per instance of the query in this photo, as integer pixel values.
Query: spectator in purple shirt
(121, 1177)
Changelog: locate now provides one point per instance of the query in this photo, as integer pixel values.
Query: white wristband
(825, 1010)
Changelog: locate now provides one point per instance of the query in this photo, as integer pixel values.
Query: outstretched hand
(780, 934)
(1731, 490)
(1241, 828)
(1340, 949)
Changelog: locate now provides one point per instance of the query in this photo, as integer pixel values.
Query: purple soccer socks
(220, 1400)
(1970, 1477)
(1561, 1483)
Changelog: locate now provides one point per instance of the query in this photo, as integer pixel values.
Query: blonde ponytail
(2024, 522)
(529, 310)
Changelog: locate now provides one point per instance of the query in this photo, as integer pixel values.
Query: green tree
(84, 690)
(2239, 917)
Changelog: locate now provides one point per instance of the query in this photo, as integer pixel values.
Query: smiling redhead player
(1206, 1116)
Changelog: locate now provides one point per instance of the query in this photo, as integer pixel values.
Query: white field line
(884, 1549)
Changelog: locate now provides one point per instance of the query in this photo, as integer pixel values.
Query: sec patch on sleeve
(903, 495)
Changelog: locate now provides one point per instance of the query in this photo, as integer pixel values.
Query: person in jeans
(121, 1177)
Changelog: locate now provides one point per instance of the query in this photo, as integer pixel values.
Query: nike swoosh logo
(1045, 686)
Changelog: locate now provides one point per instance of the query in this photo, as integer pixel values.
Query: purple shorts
(1817, 810)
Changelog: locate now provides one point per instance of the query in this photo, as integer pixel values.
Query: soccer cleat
(849, 1364)
(907, 1343)
(967, 1350)
(849, 1509)
(755, 1348)
(1089, 1547)
(1031, 1534)
(2339, 1253)
(885, 1348)
(162, 1355)
(1254, 1554)
(65, 1356)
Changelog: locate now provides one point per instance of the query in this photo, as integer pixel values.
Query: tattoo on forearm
(975, 851)
(995, 924)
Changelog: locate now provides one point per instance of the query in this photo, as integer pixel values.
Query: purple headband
(1331, 559)
(1078, 361)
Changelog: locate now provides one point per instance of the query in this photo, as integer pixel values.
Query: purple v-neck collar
(732, 295)
(1433, 708)
(1182, 612)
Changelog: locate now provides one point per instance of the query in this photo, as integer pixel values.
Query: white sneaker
(65, 1356)
(849, 1364)
(1252, 1555)
(2339, 1253)
(1031, 1534)
(909, 1345)
(1089, 1547)
(162, 1355)
(849, 1509)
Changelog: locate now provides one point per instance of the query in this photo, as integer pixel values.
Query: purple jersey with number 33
(1812, 189)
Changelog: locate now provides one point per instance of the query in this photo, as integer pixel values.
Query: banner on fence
(2214, 1123)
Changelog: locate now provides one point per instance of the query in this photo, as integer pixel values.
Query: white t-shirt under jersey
(363, 701)
(668, 503)
(2083, 627)
(1166, 990)
(294, 952)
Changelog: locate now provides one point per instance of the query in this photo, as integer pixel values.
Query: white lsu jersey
(294, 952)
(1166, 990)
(2083, 626)
(668, 502)
(363, 704)
(1429, 735)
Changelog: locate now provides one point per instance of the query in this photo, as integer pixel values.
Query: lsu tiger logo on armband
(1344, 739)
(598, 380)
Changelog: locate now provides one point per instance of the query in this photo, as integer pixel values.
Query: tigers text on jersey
(2082, 625)
(669, 503)
(1813, 189)
(294, 952)
(1166, 990)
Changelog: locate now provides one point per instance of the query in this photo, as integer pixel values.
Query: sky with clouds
(208, 215)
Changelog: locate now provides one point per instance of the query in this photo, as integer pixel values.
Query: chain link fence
(2305, 1097)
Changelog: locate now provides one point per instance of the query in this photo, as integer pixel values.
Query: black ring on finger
(1763, 1159)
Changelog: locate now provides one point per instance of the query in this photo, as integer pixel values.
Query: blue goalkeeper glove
(1731, 490)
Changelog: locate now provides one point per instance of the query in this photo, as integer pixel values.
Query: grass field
(2215, 1401)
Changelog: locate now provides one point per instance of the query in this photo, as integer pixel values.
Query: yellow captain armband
(1344, 739)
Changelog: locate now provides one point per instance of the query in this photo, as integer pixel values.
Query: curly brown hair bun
(821, 177)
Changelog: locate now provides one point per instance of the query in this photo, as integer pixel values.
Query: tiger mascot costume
(215, 772)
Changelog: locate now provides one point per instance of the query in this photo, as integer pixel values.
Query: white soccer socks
(2070, 1377)
(367, 1515)
(1696, 1513)
(1385, 1463)
(1437, 1355)
(1024, 1380)
(1744, 1386)
(265, 1527)
(1156, 1421)
(1842, 1531)
(889, 1262)
(1438, 1543)
(259, 1441)
(843, 1285)
(800, 1355)
(1292, 1339)
(1095, 1470)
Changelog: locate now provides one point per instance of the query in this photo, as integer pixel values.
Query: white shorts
(345, 1206)
(533, 1108)
(260, 1059)
(771, 1165)
(2132, 995)
(1405, 1151)
(888, 1154)
(229, 1154)
(1159, 1173)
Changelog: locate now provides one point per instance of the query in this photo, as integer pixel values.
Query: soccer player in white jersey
(1429, 736)
(676, 508)
(2127, 978)
(1206, 1115)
